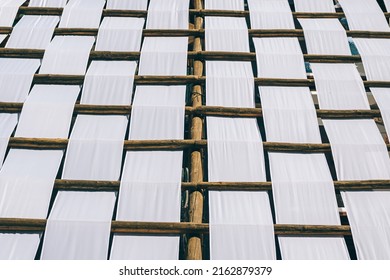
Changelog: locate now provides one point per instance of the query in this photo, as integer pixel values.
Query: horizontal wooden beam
(256, 33)
(83, 185)
(199, 55)
(216, 111)
(140, 145)
(123, 227)
(193, 12)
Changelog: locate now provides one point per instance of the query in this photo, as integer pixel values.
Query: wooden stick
(81, 185)
(123, 227)
(193, 12)
(217, 111)
(199, 55)
(194, 247)
(141, 145)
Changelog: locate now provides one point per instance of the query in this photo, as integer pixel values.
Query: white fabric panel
(8, 11)
(325, 36)
(145, 247)
(163, 56)
(230, 84)
(279, 58)
(95, 148)
(127, 5)
(319, 6)
(7, 126)
(47, 112)
(226, 34)
(67, 55)
(270, 14)
(109, 83)
(368, 214)
(48, 3)
(241, 226)
(376, 58)
(382, 98)
(339, 86)
(79, 226)
(153, 179)
(387, 4)
(313, 248)
(158, 113)
(16, 76)
(18, 246)
(26, 182)
(2, 38)
(289, 115)
(228, 5)
(303, 189)
(120, 34)
(235, 154)
(358, 149)
(33, 32)
(82, 14)
(168, 14)
(364, 15)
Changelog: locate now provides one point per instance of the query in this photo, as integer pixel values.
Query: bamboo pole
(216, 111)
(194, 246)
(123, 227)
(142, 145)
(84, 185)
(193, 12)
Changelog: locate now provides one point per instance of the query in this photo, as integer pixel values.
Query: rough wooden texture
(142, 145)
(81, 185)
(194, 246)
(38, 225)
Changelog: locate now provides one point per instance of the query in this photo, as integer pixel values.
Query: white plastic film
(325, 36)
(120, 34)
(226, 34)
(270, 14)
(79, 226)
(48, 3)
(228, 5)
(158, 113)
(339, 86)
(230, 84)
(17, 246)
(368, 215)
(7, 126)
(168, 14)
(279, 58)
(26, 183)
(47, 112)
(137, 5)
(16, 76)
(109, 83)
(8, 11)
(319, 6)
(82, 14)
(289, 115)
(364, 15)
(163, 56)
(32, 32)
(67, 55)
(358, 150)
(376, 58)
(95, 148)
(382, 98)
(313, 248)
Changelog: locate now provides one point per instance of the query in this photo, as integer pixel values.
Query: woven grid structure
(65, 116)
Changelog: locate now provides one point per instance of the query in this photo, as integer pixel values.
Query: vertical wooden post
(196, 198)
